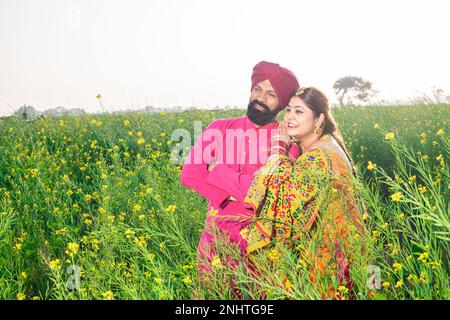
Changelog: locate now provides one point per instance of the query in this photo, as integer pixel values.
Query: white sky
(201, 53)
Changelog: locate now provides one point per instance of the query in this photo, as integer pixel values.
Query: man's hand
(212, 165)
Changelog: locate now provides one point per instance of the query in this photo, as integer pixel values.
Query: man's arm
(234, 183)
(194, 174)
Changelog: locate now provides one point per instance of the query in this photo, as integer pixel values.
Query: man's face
(263, 105)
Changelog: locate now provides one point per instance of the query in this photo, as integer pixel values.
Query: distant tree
(352, 88)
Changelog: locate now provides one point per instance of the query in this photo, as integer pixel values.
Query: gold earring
(318, 130)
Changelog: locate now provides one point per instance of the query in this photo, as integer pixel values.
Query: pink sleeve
(195, 171)
(235, 183)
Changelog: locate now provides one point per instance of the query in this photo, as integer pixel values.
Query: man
(222, 170)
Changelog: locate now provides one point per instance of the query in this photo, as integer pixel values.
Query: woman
(307, 205)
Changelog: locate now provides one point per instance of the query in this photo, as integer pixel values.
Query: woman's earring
(318, 130)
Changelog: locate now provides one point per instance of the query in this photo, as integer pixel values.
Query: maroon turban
(282, 80)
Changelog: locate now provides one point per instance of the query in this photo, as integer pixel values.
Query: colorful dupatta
(292, 199)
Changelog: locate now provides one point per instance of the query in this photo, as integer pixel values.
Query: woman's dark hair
(318, 103)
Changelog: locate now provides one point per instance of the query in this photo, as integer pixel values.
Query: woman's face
(299, 119)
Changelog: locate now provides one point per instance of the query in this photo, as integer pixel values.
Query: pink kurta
(232, 176)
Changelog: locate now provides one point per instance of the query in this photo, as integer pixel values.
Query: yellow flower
(371, 166)
(440, 158)
(412, 277)
(21, 296)
(36, 298)
(401, 216)
(216, 263)
(140, 141)
(187, 280)
(412, 179)
(399, 284)
(390, 136)
(386, 284)
(376, 233)
(376, 126)
(396, 196)
(244, 233)
(99, 96)
(171, 208)
(23, 275)
(126, 122)
(423, 279)
(141, 217)
(18, 246)
(423, 257)
(61, 231)
(435, 264)
(440, 132)
(397, 266)
(95, 244)
(55, 264)
(422, 188)
(158, 280)
(288, 285)
(274, 255)
(137, 208)
(108, 295)
(129, 233)
(72, 248)
(365, 216)
(343, 289)
(213, 212)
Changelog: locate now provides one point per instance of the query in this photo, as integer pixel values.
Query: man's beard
(259, 117)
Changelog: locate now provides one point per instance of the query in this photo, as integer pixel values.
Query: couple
(299, 184)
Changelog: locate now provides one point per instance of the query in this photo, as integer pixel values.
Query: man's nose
(262, 97)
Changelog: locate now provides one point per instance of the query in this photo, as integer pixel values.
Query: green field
(101, 193)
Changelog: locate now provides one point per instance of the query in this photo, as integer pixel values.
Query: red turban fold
(282, 80)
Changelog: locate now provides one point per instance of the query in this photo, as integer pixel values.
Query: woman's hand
(281, 141)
